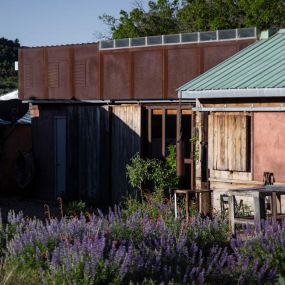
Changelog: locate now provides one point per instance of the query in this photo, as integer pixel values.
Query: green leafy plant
(138, 172)
(75, 208)
(194, 141)
(156, 174)
(159, 174)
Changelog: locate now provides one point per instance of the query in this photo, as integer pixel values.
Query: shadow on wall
(13, 140)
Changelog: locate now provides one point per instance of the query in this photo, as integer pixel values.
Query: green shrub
(75, 208)
(153, 172)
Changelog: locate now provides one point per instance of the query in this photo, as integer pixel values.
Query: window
(229, 141)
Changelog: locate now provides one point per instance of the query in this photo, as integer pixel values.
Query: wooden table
(187, 193)
(258, 195)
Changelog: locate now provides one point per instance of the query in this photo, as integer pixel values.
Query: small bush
(76, 208)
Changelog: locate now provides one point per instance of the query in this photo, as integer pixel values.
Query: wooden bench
(258, 195)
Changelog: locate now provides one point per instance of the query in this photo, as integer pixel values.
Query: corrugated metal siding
(261, 65)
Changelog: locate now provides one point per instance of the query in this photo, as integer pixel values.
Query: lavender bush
(265, 244)
(118, 248)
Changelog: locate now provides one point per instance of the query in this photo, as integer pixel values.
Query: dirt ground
(29, 206)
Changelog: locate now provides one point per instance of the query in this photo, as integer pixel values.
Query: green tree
(167, 17)
(263, 14)
(160, 18)
(203, 15)
(8, 56)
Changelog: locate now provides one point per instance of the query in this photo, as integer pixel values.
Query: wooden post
(205, 197)
(149, 133)
(187, 206)
(163, 147)
(193, 165)
(274, 207)
(259, 209)
(175, 205)
(232, 214)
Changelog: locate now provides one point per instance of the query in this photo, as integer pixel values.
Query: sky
(56, 22)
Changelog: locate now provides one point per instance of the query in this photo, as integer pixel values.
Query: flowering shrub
(131, 249)
(265, 244)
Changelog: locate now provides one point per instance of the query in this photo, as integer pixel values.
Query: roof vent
(266, 34)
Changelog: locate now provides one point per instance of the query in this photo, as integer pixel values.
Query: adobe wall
(269, 145)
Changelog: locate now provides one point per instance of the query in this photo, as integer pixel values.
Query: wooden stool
(187, 192)
(183, 192)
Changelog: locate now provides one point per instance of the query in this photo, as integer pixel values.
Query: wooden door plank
(210, 142)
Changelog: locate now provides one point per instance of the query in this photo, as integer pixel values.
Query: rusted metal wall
(83, 72)
(268, 145)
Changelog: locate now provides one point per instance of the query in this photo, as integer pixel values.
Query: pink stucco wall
(269, 145)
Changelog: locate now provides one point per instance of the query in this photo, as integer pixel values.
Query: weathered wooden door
(60, 155)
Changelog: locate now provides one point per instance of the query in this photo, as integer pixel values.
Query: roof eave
(234, 93)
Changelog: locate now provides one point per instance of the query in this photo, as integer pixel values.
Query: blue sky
(53, 22)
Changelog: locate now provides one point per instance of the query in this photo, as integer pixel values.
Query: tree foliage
(160, 18)
(174, 16)
(8, 56)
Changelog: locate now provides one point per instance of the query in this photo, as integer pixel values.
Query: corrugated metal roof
(8, 96)
(261, 65)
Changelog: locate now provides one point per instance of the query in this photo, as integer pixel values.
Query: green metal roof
(259, 66)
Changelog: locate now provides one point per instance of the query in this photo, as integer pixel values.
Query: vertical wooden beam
(250, 144)
(259, 209)
(193, 164)
(187, 205)
(206, 196)
(274, 206)
(177, 124)
(110, 115)
(232, 214)
(149, 133)
(204, 157)
(163, 147)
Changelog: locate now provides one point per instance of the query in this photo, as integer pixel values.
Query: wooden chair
(238, 207)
